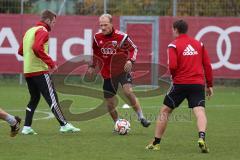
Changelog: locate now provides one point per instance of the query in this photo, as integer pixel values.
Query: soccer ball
(122, 126)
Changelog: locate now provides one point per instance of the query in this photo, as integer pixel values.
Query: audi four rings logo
(223, 37)
(108, 51)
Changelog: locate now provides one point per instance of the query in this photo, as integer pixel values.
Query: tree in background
(128, 7)
(14, 6)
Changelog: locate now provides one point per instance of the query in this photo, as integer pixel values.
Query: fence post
(21, 13)
(62, 8)
(105, 6)
(174, 8)
(22, 7)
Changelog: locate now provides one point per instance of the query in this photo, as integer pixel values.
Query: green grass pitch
(96, 140)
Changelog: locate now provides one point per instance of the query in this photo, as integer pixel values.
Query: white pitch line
(181, 106)
(49, 114)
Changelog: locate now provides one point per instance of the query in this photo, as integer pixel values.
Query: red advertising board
(221, 37)
(72, 35)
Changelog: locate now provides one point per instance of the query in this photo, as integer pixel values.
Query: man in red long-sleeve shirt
(37, 62)
(115, 53)
(189, 66)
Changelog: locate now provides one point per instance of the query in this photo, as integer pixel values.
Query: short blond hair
(109, 16)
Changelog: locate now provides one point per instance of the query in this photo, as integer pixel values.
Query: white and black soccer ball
(122, 126)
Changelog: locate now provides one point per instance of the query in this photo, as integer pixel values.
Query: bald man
(115, 53)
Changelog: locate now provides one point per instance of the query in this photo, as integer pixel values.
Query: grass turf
(96, 140)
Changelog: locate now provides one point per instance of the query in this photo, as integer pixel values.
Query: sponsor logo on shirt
(189, 51)
(108, 51)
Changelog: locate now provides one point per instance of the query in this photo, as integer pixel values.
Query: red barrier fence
(73, 35)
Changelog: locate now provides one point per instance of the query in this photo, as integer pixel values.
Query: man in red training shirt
(115, 53)
(189, 66)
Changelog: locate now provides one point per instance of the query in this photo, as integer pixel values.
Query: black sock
(201, 135)
(156, 141)
(29, 116)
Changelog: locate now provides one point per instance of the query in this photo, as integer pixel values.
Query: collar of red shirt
(182, 36)
(44, 25)
(110, 34)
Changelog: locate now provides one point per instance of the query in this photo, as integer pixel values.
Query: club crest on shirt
(114, 43)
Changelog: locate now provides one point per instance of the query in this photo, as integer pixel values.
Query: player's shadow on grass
(67, 68)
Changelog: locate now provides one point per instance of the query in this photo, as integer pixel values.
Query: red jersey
(110, 52)
(189, 62)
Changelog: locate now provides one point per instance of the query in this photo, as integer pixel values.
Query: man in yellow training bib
(37, 62)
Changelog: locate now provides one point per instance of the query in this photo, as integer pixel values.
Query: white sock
(11, 120)
(140, 115)
(26, 127)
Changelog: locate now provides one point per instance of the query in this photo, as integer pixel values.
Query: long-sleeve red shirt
(112, 51)
(41, 37)
(189, 62)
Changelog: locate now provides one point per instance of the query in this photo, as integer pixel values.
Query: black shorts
(194, 93)
(110, 85)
